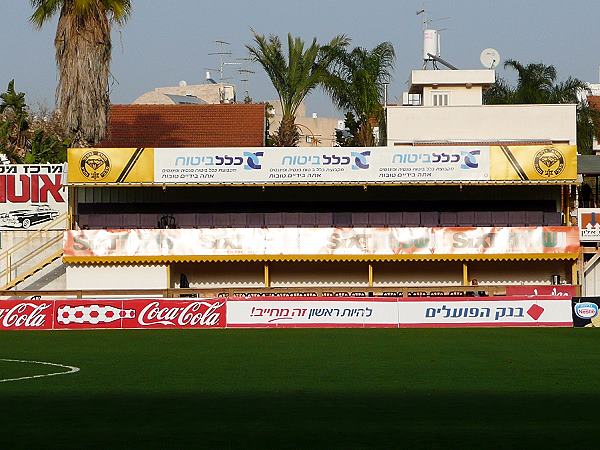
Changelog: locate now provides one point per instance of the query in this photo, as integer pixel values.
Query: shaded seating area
(340, 219)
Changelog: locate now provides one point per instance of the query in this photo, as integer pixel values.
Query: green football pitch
(303, 389)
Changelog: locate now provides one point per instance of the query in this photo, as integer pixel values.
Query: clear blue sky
(168, 41)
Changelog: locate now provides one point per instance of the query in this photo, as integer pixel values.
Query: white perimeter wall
(117, 277)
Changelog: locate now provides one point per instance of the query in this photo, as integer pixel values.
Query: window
(440, 98)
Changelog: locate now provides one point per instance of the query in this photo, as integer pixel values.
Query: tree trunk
(287, 134)
(83, 53)
(364, 136)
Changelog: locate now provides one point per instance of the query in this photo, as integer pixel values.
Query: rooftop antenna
(221, 53)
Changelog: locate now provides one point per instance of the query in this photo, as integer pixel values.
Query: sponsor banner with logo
(586, 312)
(485, 312)
(26, 314)
(31, 195)
(110, 165)
(589, 224)
(319, 312)
(334, 165)
(424, 242)
(542, 290)
(534, 162)
(112, 314)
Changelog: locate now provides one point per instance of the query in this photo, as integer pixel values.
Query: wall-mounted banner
(31, 196)
(589, 224)
(330, 165)
(112, 314)
(485, 312)
(567, 291)
(586, 312)
(318, 312)
(162, 245)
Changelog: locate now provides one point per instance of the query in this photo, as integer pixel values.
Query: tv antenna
(222, 53)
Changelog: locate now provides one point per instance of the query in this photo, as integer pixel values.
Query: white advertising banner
(320, 165)
(31, 195)
(589, 224)
(322, 313)
(485, 312)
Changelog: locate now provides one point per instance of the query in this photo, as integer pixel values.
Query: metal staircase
(18, 264)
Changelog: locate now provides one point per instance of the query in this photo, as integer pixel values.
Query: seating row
(322, 219)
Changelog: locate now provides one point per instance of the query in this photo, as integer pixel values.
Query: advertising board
(586, 312)
(424, 242)
(542, 290)
(318, 312)
(589, 224)
(31, 195)
(322, 165)
(485, 312)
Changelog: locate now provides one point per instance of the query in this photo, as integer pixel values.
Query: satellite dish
(490, 58)
(182, 83)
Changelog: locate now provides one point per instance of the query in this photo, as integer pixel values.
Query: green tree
(537, 84)
(14, 124)
(293, 75)
(83, 53)
(357, 83)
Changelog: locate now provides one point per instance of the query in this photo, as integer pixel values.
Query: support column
(267, 276)
(370, 275)
(574, 265)
(465, 273)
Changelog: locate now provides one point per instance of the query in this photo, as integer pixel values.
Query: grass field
(304, 389)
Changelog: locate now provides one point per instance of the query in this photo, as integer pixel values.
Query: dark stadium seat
(273, 220)
(130, 221)
(237, 220)
(83, 220)
(324, 219)
(360, 219)
(430, 219)
(552, 219)
(185, 220)
(98, 221)
(483, 219)
(308, 220)
(342, 219)
(378, 219)
(534, 218)
(148, 221)
(517, 218)
(221, 220)
(500, 218)
(204, 220)
(396, 219)
(465, 218)
(448, 219)
(410, 219)
(255, 220)
(291, 219)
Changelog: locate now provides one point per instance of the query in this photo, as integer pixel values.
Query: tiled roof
(227, 125)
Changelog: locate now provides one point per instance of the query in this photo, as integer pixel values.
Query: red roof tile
(234, 125)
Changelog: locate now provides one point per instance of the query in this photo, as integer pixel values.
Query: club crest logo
(95, 165)
(549, 162)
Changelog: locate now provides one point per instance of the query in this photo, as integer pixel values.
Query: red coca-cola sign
(160, 313)
(26, 315)
(560, 291)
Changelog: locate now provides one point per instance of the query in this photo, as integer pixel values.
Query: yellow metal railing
(14, 264)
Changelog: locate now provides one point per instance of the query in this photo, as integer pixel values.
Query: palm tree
(83, 54)
(294, 76)
(357, 83)
(536, 83)
(14, 124)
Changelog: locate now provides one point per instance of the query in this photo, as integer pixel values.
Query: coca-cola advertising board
(26, 315)
(486, 312)
(317, 312)
(31, 195)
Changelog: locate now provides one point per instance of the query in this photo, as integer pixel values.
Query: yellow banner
(111, 165)
(533, 162)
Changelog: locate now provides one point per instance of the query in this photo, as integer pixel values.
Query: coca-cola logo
(198, 313)
(24, 315)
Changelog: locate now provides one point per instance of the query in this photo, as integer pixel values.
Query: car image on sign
(24, 218)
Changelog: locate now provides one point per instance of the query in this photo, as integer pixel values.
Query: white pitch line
(72, 369)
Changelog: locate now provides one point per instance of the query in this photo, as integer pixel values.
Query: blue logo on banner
(586, 310)
(360, 160)
(253, 161)
(470, 161)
